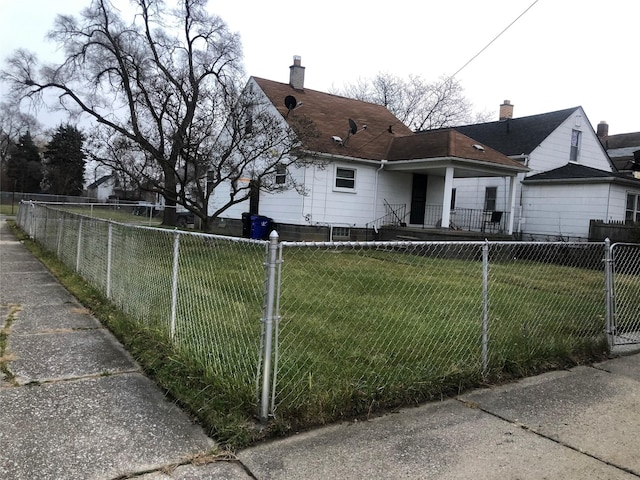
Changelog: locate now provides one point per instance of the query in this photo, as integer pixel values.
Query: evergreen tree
(24, 166)
(65, 162)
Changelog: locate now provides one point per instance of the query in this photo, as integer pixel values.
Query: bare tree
(418, 104)
(165, 93)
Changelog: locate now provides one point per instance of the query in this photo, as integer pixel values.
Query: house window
(576, 137)
(490, 196)
(345, 178)
(281, 174)
(342, 232)
(633, 208)
(453, 199)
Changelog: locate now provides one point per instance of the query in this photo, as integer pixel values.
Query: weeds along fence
(312, 332)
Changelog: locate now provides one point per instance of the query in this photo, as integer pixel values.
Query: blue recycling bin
(260, 227)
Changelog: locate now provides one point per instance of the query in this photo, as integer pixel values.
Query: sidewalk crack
(5, 354)
(477, 406)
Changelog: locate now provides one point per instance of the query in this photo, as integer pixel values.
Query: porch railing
(465, 219)
(469, 219)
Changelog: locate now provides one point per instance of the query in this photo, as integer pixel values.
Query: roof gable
(330, 115)
(517, 136)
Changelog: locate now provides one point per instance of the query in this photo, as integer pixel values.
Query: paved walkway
(74, 405)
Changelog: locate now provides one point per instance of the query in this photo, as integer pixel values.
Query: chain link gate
(625, 294)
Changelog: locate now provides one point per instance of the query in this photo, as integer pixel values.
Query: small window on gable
(490, 196)
(576, 139)
(345, 178)
(281, 174)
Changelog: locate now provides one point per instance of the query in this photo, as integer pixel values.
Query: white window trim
(345, 189)
(578, 147)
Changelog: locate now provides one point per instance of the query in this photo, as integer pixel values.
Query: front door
(418, 199)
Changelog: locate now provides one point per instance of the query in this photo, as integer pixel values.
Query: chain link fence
(202, 292)
(312, 332)
(626, 298)
(370, 324)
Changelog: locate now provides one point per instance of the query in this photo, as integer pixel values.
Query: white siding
(541, 214)
(323, 203)
(470, 192)
(557, 211)
(554, 151)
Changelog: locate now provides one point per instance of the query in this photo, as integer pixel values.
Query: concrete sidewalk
(74, 405)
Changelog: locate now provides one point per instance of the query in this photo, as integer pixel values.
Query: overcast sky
(560, 54)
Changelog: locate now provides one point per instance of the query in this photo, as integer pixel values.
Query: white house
(103, 188)
(376, 171)
(571, 179)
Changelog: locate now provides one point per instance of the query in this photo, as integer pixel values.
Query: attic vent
(478, 147)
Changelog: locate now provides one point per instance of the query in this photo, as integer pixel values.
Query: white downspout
(375, 189)
(512, 195)
(521, 209)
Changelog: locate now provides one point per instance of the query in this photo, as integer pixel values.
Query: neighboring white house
(377, 170)
(103, 188)
(571, 179)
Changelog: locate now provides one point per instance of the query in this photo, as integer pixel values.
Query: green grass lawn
(361, 330)
(8, 209)
(116, 213)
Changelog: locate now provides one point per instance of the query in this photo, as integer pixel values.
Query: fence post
(267, 318)
(608, 286)
(79, 246)
(59, 245)
(32, 223)
(109, 249)
(485, 307)
(174, 282)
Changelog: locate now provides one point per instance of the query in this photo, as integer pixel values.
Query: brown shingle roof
(446, 143)
(330, 115)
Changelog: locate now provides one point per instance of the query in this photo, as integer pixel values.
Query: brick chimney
(603, 130)
(506, 110)
(296, 73)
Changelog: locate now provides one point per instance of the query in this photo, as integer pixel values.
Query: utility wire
(494, 39)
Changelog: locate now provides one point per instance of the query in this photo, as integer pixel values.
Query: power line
(494, 39)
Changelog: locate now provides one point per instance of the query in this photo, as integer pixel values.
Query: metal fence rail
(324, 330)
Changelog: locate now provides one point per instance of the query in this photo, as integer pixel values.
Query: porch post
(512, 206)
(446, 199)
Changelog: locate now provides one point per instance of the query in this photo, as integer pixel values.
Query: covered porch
(434, 159)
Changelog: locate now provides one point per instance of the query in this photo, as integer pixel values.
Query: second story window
(576, 138)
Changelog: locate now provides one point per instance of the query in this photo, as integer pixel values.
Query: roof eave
(593, 180)
(458, 162)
